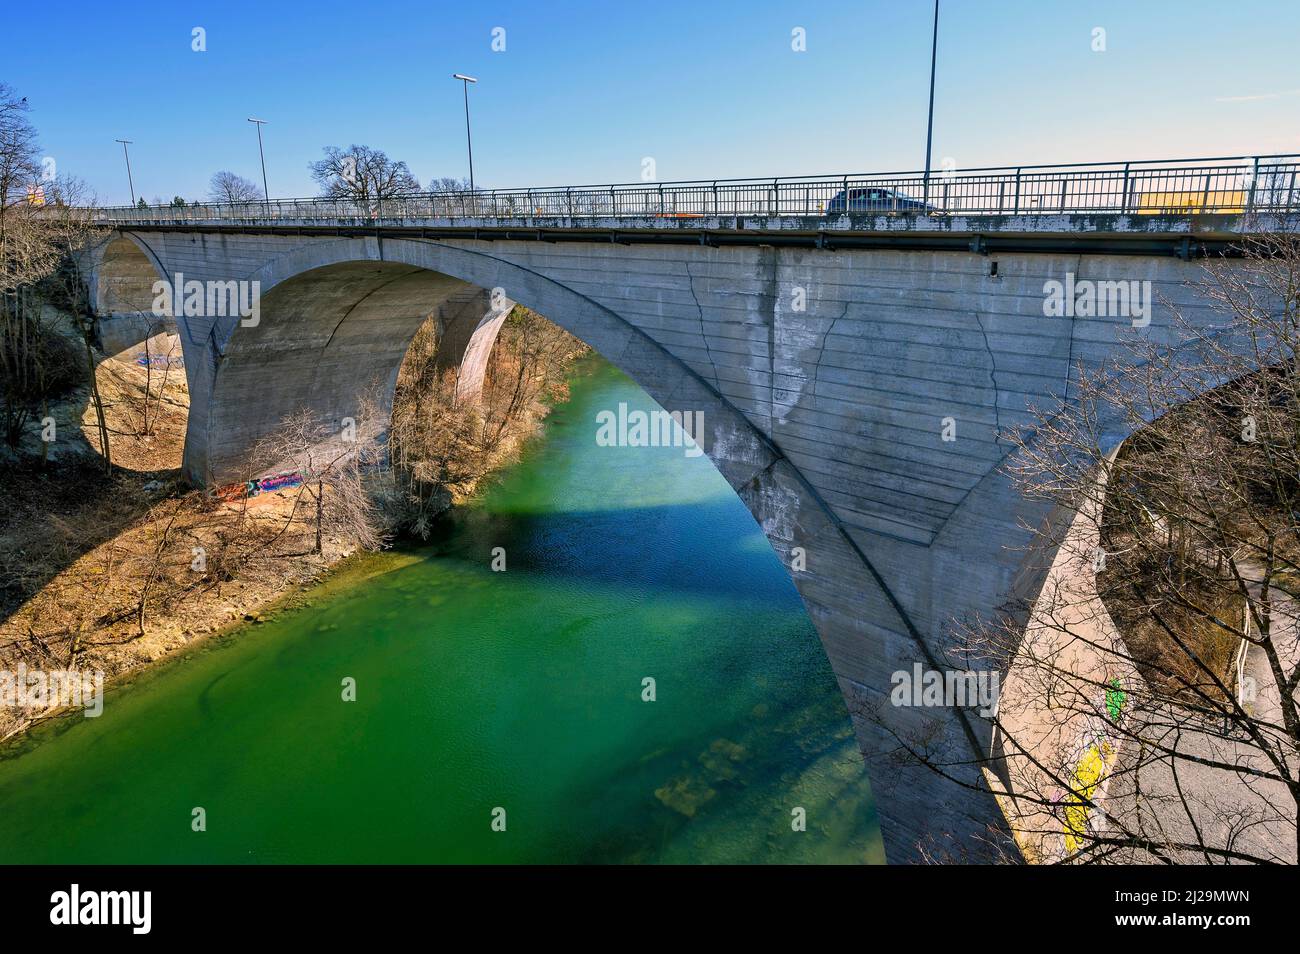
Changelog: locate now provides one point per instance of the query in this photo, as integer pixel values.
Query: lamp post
(929, 127)
(129, 181)
(469, 142)
(266, 193)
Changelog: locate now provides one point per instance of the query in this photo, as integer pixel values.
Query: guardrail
(1191, 186)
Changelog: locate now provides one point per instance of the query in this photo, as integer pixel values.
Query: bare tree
(530, 358)
(335, 463)
(362, 174)
(68, 218)
(46, 222)
(226, 186)
(140, 404)
(441, 447)
(1148, 706)
(449, 184)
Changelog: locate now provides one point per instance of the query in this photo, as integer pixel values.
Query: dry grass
(100, 572)
(146, 406)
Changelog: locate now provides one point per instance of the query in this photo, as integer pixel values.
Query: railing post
(1254, 184)
(776, 197)
(1205, 195)
(715, 198)
(1065, 183)
(661, 200)
(1002, 190)
(568, 201)
(1016, 211)
(1123, 198)
(613, 202)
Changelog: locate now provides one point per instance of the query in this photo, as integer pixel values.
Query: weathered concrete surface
(824, 377)
(117, 332)
(472, 357)
(1032, 220)
(122, 295)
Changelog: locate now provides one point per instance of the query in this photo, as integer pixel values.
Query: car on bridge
(876, 199)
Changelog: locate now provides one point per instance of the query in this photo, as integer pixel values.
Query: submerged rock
(721, 757)
(685, 794)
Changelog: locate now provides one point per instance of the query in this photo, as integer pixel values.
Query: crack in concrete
(821, 350)
(1069, 361)
(704, 338)
(993, 379)
(357, 304)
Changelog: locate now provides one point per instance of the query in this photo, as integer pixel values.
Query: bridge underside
(828, 381)
(325, 341)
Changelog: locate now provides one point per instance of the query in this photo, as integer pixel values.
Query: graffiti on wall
(258, 485)
(1097, 756)
(160, 361)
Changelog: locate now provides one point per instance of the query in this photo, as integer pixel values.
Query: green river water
(479, 689)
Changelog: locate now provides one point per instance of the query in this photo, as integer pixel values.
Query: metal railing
(1225, 185)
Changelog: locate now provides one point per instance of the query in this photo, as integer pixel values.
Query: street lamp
(929, 127)
(266, 193)
(127, 155)
(469, 143)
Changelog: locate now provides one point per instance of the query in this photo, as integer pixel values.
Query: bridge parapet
(1146, 195)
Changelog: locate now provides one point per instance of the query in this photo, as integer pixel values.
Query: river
(479, 690)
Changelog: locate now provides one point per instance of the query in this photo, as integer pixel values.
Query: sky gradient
(584, 91)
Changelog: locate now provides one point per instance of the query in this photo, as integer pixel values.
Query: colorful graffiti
(259, 485)
(1091, 768)
(160, 361)
(1088, 774)
(1115, 699)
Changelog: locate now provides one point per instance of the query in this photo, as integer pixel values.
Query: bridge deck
(1183, 235)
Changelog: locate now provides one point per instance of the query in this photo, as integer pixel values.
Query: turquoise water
(479, 690)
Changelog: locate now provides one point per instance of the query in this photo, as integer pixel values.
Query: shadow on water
(642, 546)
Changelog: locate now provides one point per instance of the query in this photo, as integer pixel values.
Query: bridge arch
(336, 316)
(124, 270)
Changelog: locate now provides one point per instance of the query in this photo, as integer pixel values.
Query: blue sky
(710, 88)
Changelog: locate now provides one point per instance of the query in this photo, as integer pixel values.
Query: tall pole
(929, 126)
(469, 142)
(127, 156)
(266, 193)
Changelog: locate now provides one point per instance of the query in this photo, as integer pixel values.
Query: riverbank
(112, 572)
